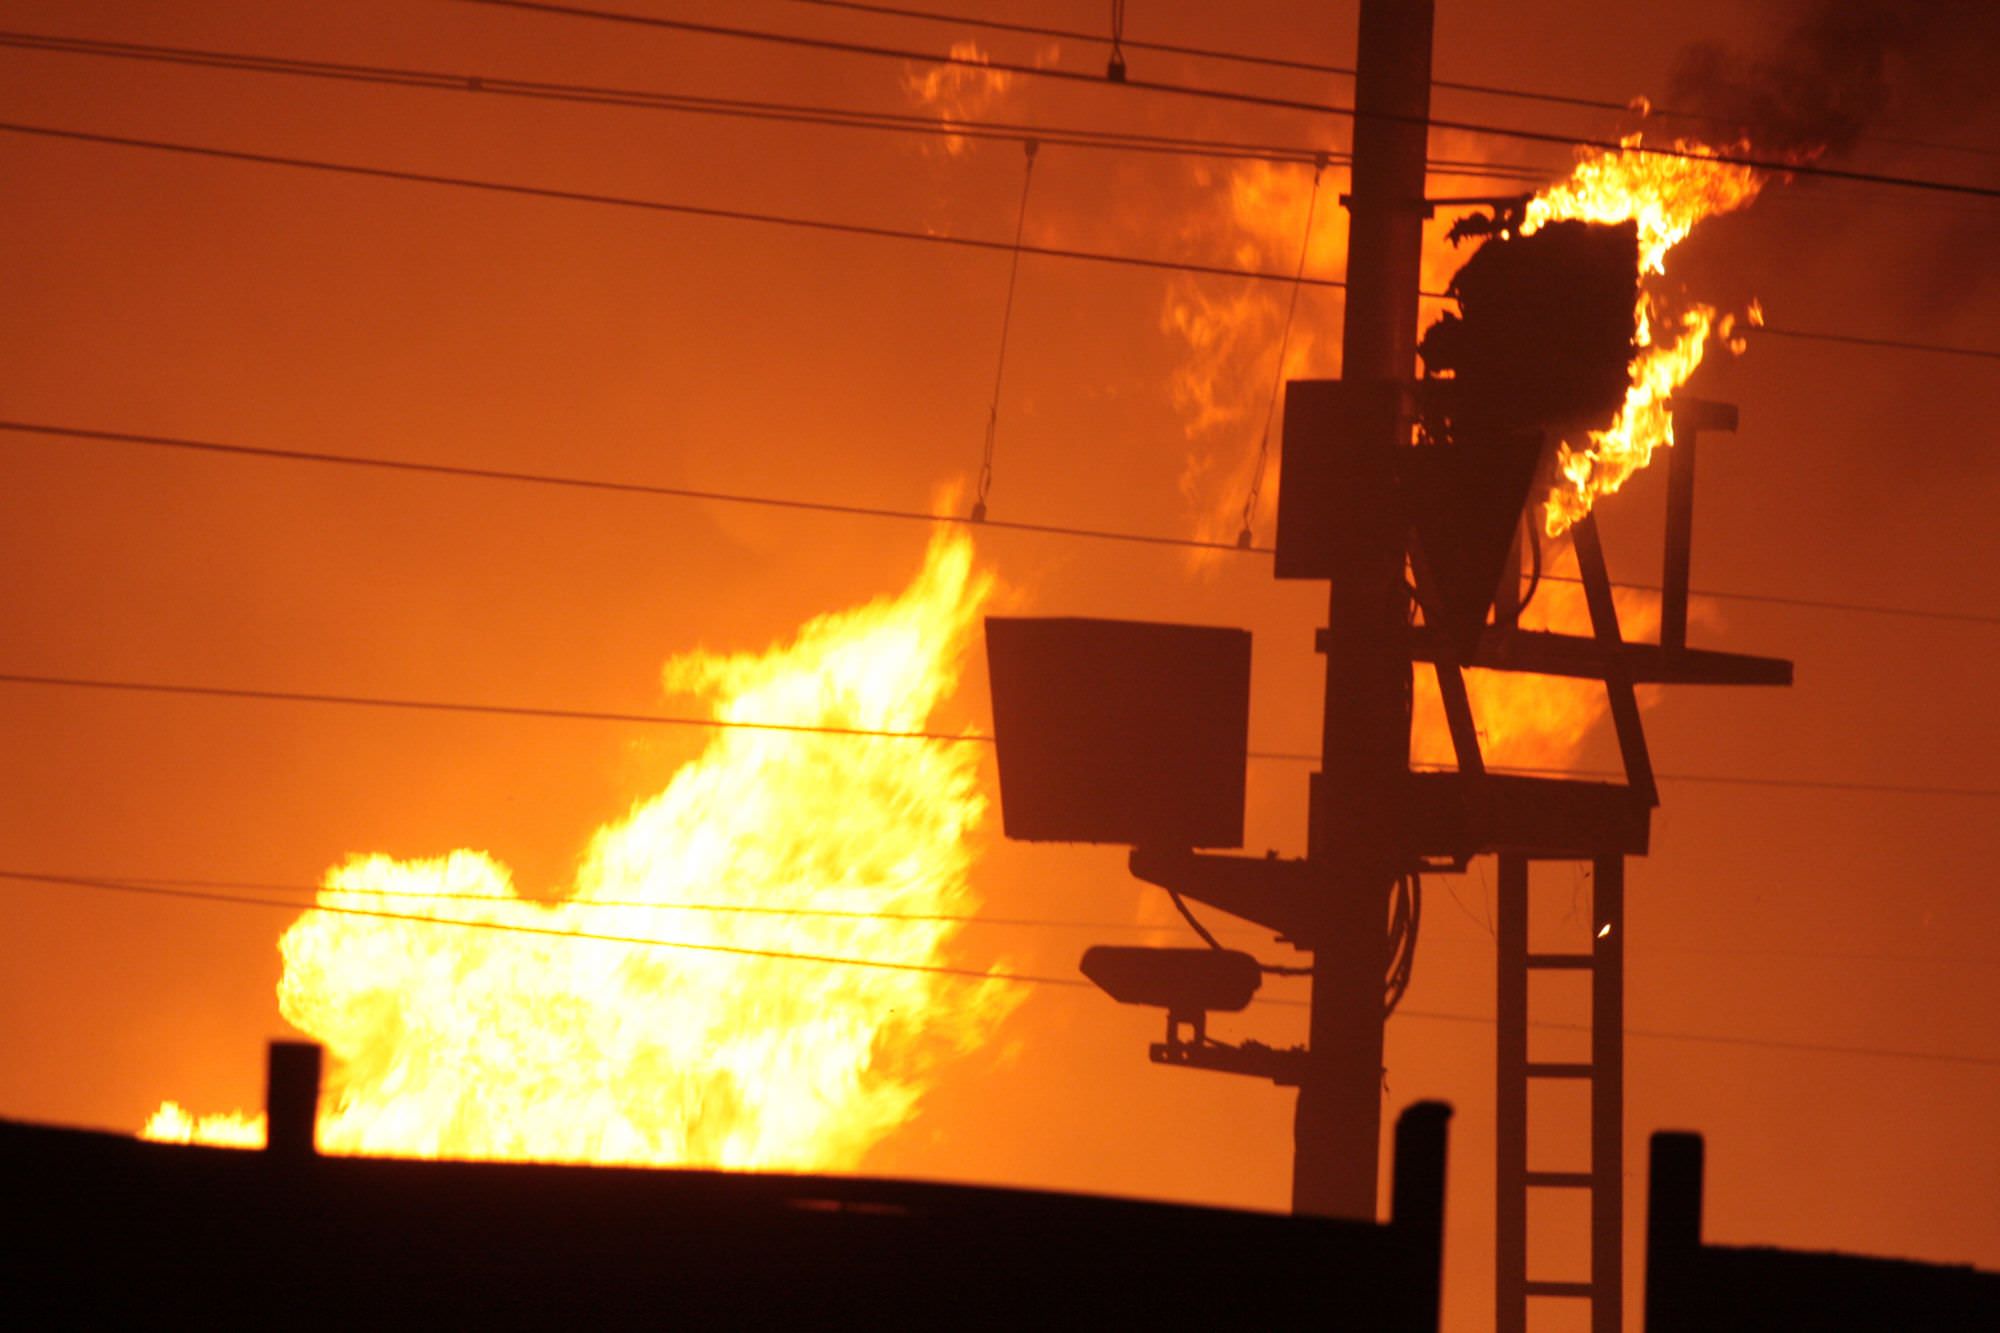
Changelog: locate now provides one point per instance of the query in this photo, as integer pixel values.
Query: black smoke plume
(1844, 69)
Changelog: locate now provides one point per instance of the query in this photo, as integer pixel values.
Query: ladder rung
(1548, 1070)
(1583, 1289)
(1561, 1179)
(1576, 961)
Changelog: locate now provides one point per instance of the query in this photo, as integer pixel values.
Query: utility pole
(1352, 841)
(1133, 733)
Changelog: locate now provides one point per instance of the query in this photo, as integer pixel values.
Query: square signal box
(1120, 731)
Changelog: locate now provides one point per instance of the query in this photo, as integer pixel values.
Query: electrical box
(1120, 731)
(1337, 500)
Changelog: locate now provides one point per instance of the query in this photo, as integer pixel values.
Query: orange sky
(166, 295)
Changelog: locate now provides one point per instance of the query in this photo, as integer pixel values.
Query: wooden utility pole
(1352, 840)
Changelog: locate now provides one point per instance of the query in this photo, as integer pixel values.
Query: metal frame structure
(1353, 511)
(1604, 843)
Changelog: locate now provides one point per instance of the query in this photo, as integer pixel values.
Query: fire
(1666, 197)
(1226, 334)
(959, 89)
(1530, 721)
(573, 1038)
(173, 1123)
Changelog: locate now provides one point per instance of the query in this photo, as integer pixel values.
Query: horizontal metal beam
(1451, 814)
(1549, 654)
(1555, 1069)
(1285, 1067)
(1577, 962)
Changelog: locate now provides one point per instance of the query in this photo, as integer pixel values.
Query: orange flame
(450, 1041)
(958, 89)
(1532, 721)
(1666, 197)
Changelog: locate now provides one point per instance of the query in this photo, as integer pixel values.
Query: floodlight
(1185, 982)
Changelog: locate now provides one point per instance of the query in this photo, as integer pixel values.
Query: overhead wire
(513, 928)
(473, 473)
(939, 969)
(672, 905)
(1899, 344)
(485, 709)
(943, 736)
(567, 481)
(543, 7)
(644, 99)
(1808, 603)
(448, 706)
(1483, 940)
(1066, 137)
(658, 205)
(1117, 39)
(1323, 67)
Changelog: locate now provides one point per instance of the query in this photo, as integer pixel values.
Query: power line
(1811, 603)
(741, 951)
(484, 710)
(662, 206)
(937, 969)
(860, 511)
(464, 472)
(967, 738)
(1484, 941)
(1082, 137)
(819, 224)
(1735, 780)
(1721, 1039)
(719, 908)
(1944, 349)
(1070, 137)
(690, 104)
(1319, 67)
(1227, 95)
(1077, 35)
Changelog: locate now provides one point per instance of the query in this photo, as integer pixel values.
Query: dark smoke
(1844, 69)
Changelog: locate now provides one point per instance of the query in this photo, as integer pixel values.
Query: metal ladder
(1605, 1073)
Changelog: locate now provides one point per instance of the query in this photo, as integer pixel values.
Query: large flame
(1666, 197)
(456, 1041)
(1225, 334)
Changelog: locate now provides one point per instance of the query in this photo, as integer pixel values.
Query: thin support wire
(1114, 68)
(1245, 538)
(1028, 147)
